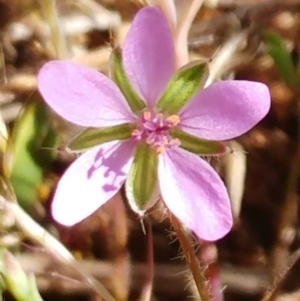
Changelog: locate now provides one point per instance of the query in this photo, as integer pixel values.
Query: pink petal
(226, 109)
(82, 95)
(194, 192)
(91, 180)
(148, 54)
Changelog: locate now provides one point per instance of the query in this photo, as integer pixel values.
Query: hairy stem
(191, 259)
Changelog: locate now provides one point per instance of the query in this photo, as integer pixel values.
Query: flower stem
(191, 259)
(148, 285)
(208, 256)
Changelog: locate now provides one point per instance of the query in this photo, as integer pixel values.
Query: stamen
(165, 140)
(147, 115)
(154, 128)
(174, 142)
(160, 150)
(136, 134)
(174, 120)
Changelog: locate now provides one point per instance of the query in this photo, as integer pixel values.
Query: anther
(174, 120)
(160, 150)
(136, 134)
(146, 115)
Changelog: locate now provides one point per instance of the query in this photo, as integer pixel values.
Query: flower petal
(82, 95)
(92, 180)
(225, 110)
(195, 194)
(148, 54)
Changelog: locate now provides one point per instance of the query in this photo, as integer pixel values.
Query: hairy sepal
(95, 136)
(135, 103)
(183, 86)
(141, 184)
(199, 146)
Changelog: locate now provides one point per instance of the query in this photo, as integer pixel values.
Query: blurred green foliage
(29, 161)
(282, 58)
(13, 279)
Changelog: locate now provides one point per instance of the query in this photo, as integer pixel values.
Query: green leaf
(135, 103)
(182, 87)
(28, 160)
(95, 136)
(141, 184)
(199, 146)
(281, 56)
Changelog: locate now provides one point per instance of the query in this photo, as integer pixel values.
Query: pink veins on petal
(190, 187)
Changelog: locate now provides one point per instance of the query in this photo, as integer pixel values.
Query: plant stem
(58, 39)
(188, 10)
(148, 285)
(270, 294)
(191, 259)
(39, 235)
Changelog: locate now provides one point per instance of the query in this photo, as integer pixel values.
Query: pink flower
(145, 136)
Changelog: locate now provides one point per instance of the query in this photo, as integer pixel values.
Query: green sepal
(182, 87)
(135, 103)
(141, 183)
(199, 146)
(95, 136)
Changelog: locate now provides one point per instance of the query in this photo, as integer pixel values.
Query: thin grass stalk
(39, 235)
(58, 39)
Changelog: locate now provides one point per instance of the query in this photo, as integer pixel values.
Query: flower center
(154, 129)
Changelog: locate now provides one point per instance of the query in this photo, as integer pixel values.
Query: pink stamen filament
(154, 129)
